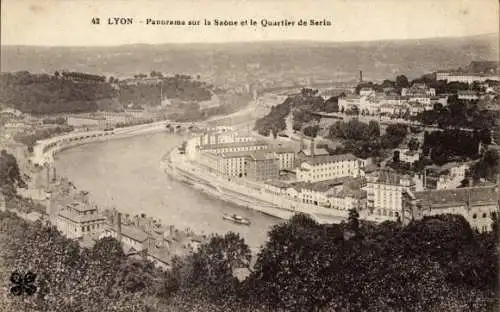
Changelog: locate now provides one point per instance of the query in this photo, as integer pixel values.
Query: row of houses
(394, 197)
(81, 220)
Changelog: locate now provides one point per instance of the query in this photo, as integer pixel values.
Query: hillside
(77, 92)
(321, 60)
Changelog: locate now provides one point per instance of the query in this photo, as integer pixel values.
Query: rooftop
(279, 184)
(283, 149)
(388, 177)
(346, 192)
(79, 218)
(262, 155)
(322, 186)
(317, 152)
(235, 144)
(235, 154)
(330, 159)
(447, 198)
(131, 232)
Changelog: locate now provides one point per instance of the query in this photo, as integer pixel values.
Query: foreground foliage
(436, 264)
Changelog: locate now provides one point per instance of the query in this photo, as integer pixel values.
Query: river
(126, 173)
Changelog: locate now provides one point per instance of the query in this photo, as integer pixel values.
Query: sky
(69, 22)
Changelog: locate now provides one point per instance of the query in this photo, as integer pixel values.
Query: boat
(236, 219)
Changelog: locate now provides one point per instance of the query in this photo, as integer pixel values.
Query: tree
(413, 144)
(395, 157)
(402, 82)
(353, 220)
(214, 263)
(10, 176)
(373, 129)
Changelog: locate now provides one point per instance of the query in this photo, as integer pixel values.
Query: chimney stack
(313, 148)
(360, 76)
(119, 227)
(48, 174)
(54, 174)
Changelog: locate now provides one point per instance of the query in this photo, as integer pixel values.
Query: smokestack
(312, 147)
(119, 226)
(48, 174)
(54, 173)
(360, 76)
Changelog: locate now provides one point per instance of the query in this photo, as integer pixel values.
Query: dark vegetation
(449, 145)
(53, 94)
(74, 92)
(29, 138)
(303, 106)
(180, 87)
(460, 114)
(364, 139)
(436, 264)
(10, 176)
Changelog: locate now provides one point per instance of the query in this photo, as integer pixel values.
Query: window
(474, 216)
(484, 215)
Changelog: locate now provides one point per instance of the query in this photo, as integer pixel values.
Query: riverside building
(386, 191)
(77, 220)
(323, 168)
(476, 204)
(262, 165)
(220, 148)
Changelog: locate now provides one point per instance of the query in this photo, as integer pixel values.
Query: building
(262, 165)
(218, 137)
(342, 193)
(418, 89)
(132, 238)
(233, 164)
(451, 175)
(408, 156)
(465, 77)
(475, 204)
(234, 147)
(323, 168)
(467, 95)
(286, 156)
(349, 102)
(78, 219)
(385, 192)
(366, 92)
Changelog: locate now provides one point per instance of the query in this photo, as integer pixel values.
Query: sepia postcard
(253, 156)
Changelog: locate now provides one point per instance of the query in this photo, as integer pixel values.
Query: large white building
(286, 156)
(323, 168)
(385, 191)
(78, 219)
(220, 148)
(465, 77)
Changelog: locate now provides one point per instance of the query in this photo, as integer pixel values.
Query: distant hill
(378, 60)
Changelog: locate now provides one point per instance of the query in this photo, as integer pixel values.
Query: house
(451, 175)
(79, 219)
(408, 156)
(468, 95)
(132, 238)
(366, 92)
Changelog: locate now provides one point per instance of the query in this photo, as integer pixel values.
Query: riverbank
(247, 194)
